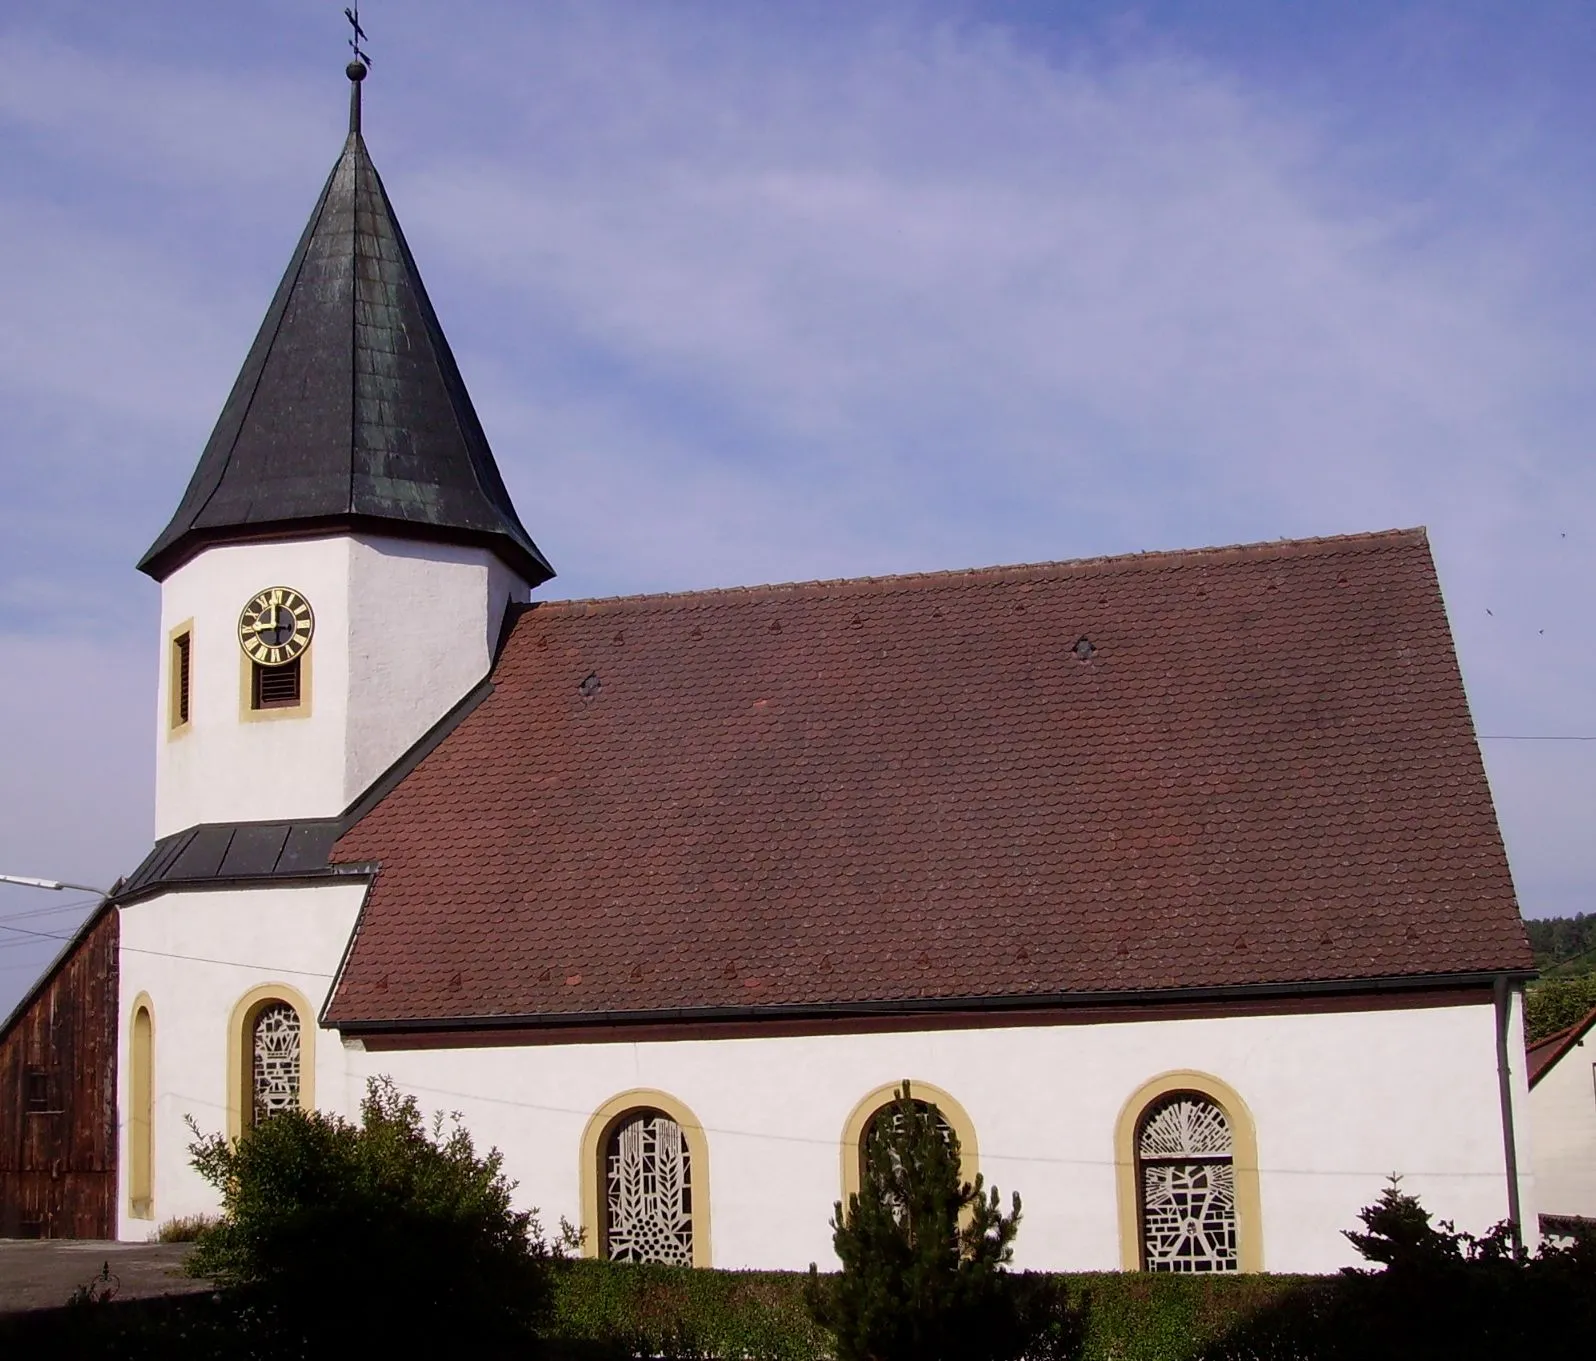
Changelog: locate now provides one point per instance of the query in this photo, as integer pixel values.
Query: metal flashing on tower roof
(349, 414)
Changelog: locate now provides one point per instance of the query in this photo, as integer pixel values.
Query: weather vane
(358, 36)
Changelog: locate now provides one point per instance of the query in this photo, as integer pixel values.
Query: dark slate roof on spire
(349, 413)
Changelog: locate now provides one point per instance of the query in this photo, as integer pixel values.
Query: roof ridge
(1263, 549)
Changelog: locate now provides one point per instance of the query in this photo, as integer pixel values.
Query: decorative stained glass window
(274, 1060)
(1186, 1176)
(648, 1191)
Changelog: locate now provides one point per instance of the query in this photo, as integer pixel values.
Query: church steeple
(349, 414)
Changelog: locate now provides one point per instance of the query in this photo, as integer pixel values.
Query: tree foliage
(924, 1256)
(1559, 941)
(1433, 1291)
(1398, 1235)
(342, 1237)
(1553, 1004)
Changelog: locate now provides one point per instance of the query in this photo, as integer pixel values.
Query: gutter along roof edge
(931, 1006)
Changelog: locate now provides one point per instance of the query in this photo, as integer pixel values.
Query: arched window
(270, 1056)
(1187, 1165)
(648, 1191)
(141, 1112)
(1186, 1176)
(870, 1116)
(645, 1182)
(274, 1061)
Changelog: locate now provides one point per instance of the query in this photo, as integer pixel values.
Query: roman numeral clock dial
(275, 626)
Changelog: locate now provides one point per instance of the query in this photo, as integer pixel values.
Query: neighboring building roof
(349, 413)
(1209, 769)
(1545, 1052)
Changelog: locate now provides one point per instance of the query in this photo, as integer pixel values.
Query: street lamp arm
(55, 884)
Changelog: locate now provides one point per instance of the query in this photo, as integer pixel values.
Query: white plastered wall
(195, 955)
(403, 631)
(424, 622)
(1563, 1117)
(1338, 1099)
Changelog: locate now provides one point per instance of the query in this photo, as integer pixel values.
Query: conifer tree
(923, 1252)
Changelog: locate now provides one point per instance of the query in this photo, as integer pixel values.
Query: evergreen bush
(924, 1255)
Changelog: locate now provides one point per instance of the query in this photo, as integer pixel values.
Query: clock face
(275, 626)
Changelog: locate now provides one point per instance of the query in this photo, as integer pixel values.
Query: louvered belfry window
(274, 1060)
(181, 647)
(276, 687)
(1187, 1184)
(648, 1191)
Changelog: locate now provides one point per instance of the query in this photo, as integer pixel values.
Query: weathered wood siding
(58, 1099)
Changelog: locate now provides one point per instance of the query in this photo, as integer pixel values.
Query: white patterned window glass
(1184, 1155)
(274, 1060)
(648, 1191)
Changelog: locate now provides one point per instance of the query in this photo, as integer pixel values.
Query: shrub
(923, 1256)
(184, 1229)
(1400, 1237)
(1441, 1293)
(1552, 1004)
(338, 1238)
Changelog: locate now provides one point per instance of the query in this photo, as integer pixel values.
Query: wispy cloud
(747, 298)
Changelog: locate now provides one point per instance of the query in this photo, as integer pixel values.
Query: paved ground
(43, 1275)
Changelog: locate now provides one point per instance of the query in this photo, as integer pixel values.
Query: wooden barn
(58, 1108)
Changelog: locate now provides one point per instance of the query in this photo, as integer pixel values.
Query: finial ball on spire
(356, 71)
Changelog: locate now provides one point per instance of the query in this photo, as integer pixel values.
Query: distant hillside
(1564, 946)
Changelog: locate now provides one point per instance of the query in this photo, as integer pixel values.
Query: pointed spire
(349, 414)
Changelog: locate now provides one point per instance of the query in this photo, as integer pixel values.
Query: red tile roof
(1258, 767)
(1544, 1053)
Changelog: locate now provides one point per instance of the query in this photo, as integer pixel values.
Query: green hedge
(615, 1313)
(604, 1312)
(607, 1310)
(677, 1311)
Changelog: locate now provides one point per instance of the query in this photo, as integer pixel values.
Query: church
(1172, 881)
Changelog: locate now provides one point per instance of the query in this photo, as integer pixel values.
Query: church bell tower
(337, 574)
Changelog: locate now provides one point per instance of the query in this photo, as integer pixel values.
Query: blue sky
(752, 292)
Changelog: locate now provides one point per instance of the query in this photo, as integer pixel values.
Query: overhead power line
(171, 954)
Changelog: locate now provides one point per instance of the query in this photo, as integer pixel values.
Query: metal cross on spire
(358, 36)
(356, 70)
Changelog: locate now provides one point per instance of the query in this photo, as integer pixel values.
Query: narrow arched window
(274, 1060)
(1186, 1185)
(141, 1114)
(648, 1191)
